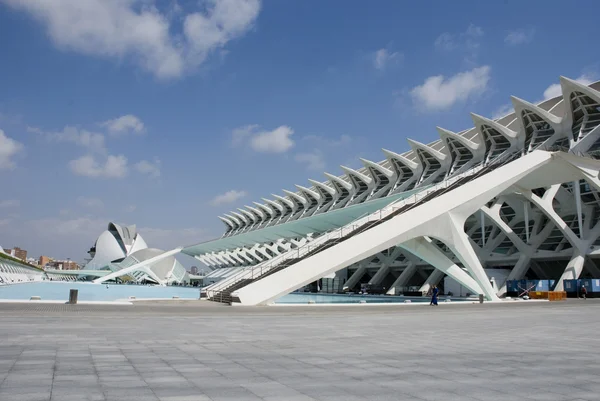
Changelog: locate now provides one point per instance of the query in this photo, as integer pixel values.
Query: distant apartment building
(194, 270)
(44, 260)
(17, 252)
(64, 265)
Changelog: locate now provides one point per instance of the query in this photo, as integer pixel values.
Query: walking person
(583, 292)
(434, 295)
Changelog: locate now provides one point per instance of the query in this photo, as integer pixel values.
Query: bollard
(480, 298)
(73, 296)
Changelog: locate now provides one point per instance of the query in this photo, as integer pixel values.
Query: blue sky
(166, 114)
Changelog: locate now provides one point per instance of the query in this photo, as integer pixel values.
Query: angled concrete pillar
(380, 275)
(386, 261)
(572, 271)
(518, 272)
(356, 276)
(461, 247)
(434, 278)
(404, 278)
(426, 250)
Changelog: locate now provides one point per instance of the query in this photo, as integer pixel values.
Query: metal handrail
(258, 270)
(264, 267)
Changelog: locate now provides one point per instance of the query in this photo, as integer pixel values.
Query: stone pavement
(196, 351)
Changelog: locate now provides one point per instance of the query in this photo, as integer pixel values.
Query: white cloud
(124, 125)
(8, 149)
(141, 31)
(239, 135)
(441, 93)
(383, 57)
(275, 141)
(468, 40)
(146, 167)
(228, 197)
(88, 166)
(80, 137)
(554, 89)
(80, 226)
(130, 208)
(315, 160)
(503, 111)
(10, 203)
(167, 239)
(323, 141)
(519, 36)
(90, 203)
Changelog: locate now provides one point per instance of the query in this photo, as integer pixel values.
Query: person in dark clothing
(583, 292)
(434, 295)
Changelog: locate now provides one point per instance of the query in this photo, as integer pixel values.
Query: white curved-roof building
(520, 194)
(114, 244)
(121, 247)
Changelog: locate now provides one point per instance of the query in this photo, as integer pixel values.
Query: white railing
(258, 270)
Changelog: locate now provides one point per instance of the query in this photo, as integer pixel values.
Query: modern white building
(120, 247)
(518, 194)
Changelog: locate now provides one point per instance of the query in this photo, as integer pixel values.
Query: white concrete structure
(121, 251)
(13, 272)
(519, 193)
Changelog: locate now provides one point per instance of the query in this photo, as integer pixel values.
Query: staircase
(223, 291)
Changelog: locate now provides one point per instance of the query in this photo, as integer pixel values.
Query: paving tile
(172, 353)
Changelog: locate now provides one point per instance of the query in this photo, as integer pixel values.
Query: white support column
(526, 213)
(380, 275)
(517, 272)
(460, 246)
(433, 279)
(386, 261)
(356, 276)
(482, 229)
(404, 278)
(578, 205)
(424, 249)
(572, 271)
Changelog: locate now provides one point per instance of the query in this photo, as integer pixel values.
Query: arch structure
(518, 194)
(12, 271)
(120, 253)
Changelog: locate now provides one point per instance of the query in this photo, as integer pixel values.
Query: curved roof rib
(300, 203)
(313, 200)
(237, 223)
(230, 225)
(328, 196)
(261, 217)
(288, 206)
(540, 127)
(278, 211)
(268, 213)
(244, 221)
(435, 163)
(384, 178)
(407, 171)
(344, 189)
(363, 185)
(463, 152)
(497, 138)
(252, 220)
(582, 107)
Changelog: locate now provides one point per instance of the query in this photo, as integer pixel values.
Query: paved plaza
(197, 351)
